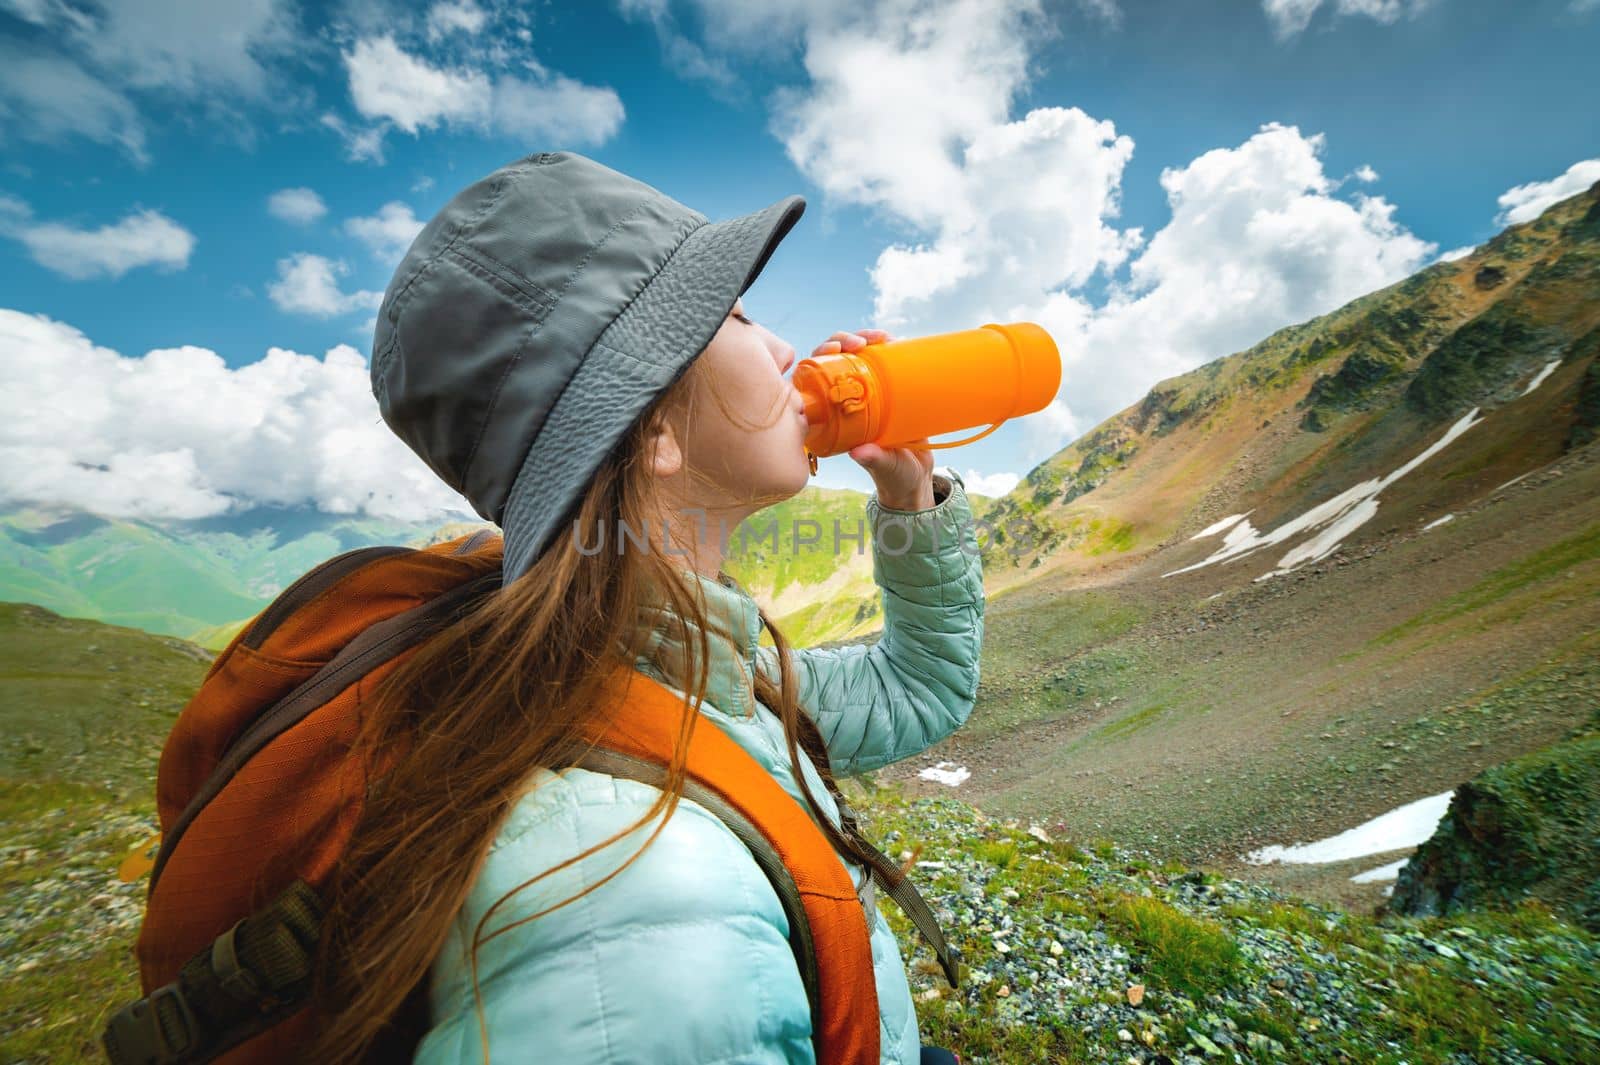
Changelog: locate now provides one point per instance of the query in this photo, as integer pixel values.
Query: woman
(567, 347)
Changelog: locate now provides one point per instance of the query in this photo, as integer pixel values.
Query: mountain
(178, 578)
(203, 580)
(1511, 331)
(1350, 567)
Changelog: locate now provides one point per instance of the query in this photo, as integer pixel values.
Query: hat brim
(637, 357)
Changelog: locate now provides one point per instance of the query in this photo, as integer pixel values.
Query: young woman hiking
(567, 347)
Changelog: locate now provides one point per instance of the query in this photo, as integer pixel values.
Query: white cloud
(359, 143)
(1257, 241)
(989, 484)
(389, 232)
(393, 87)
(386, 83)
(1365, 173)
(556, 109)
(683, 56)
(1456, 253)
(1290, 17)
(309, 284)
(50, 99)
(1524, 203)
(191, 46)
(298, 206)
(1016, 215)
(140, 238)
(178, 434)
(209, 53)
(459, 16)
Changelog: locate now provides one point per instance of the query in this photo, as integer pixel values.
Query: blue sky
(1157, 184)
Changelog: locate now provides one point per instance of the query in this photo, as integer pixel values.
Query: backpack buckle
(156, 1030)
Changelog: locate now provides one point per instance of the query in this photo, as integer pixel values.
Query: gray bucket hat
(534, 318)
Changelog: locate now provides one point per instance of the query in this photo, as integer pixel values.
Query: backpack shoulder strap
(638, 717)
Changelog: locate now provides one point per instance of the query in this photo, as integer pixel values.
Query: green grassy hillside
(84, 710)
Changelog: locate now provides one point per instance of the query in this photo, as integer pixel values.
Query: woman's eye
(743, 319)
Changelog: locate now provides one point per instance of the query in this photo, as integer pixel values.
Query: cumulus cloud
(459, 16)
(1257, 241)
(50, 99)
(209, 53)
(386, 83)
(360, 142)
(989, 484)
(389, 232)
(309, 284)
(1014, 217)
(556, 108)
(1524, 203)
(140, 238)
(298, 206)
(1290, 17)
(683, 56)
(178, 434)
(189, 46)
(393, 87)
(1456, 253)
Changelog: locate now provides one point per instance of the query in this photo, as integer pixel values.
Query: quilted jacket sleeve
(878, 704)
(681, 959)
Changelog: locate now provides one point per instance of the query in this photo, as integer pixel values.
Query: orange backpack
(258, 795)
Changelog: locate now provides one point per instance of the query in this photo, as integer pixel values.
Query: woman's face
(758, 452)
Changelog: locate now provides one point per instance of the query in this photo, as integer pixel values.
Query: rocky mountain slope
(1310, 582)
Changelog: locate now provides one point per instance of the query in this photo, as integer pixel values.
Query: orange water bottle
(906, 390)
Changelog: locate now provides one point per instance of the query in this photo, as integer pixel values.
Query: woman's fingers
(847, 341)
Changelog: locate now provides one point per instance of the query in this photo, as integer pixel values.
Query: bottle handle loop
(970, 439)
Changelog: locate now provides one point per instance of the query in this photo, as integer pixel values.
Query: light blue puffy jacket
(683, 957)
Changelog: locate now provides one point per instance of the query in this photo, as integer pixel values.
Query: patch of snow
(1337, 517)
(1514, 480)
(1549, 368)
(1219, 526)
(1406, 826)
(946, 773)
(1382, 872)
(1436, 522)
(1210, 597)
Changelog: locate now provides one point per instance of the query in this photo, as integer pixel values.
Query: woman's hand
(903, 475)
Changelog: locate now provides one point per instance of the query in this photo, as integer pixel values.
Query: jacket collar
(733, 626)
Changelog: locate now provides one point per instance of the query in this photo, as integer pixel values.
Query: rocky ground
(1101, 954)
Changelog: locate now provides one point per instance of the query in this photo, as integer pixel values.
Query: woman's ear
(661, 446)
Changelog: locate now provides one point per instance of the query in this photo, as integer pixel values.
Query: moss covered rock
(1528, 827)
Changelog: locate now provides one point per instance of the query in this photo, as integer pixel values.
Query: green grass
(84, 710)
(1544, 565)
(1187, 954)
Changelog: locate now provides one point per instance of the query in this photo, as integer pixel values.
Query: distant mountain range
(201, 580)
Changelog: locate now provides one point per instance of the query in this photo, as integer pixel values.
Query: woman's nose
(787, 360)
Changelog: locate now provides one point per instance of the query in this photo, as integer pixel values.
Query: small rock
(1135, 994)
(1005, 991)
(930, 994)
(1124, 1035)
(1057, 949)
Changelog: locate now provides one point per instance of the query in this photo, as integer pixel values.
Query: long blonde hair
(467, 718)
